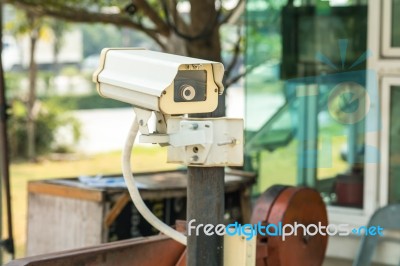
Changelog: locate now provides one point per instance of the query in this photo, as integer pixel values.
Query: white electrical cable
(134, 192)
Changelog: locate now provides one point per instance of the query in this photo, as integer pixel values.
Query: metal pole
(205, 204)
(4, 163)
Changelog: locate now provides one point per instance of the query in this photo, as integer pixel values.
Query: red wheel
(289, 205)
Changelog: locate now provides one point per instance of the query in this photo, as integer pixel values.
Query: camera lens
(190, 86)
(187, 92)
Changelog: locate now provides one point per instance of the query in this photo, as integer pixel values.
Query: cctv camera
(155, 81)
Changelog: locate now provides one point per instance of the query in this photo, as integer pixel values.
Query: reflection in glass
(297, 133)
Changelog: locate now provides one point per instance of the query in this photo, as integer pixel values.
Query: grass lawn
(145, 159)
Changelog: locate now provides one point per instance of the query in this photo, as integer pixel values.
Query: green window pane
(394, 146)
(396, 23)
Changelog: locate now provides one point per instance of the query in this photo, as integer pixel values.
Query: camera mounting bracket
(203, 142)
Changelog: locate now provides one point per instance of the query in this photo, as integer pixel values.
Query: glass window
(304, 95)
(394, 146)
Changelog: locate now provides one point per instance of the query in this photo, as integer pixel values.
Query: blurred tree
(28, 23)
(97, 36)
(58, 28)
(34, 27)
(50, 118)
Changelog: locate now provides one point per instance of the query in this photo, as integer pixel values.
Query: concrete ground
(336, 262)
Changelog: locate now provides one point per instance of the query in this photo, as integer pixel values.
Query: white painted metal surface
(238, 251)
(211, 142)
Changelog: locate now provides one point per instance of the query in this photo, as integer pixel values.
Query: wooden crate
(65, 214)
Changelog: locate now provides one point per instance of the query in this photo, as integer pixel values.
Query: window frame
(388, 82)
(387, 49)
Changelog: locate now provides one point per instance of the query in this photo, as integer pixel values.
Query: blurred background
(58, 126)
(275, 53)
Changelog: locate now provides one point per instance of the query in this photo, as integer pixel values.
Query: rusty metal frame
(155, 250)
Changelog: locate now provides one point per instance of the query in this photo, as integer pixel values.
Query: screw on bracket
(227, 142)
(194, 126)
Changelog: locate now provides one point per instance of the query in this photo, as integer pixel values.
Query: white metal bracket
(161, 124)
(205, 141)
(195, 141)
(190, 140)
(239, 251)
(143, 116)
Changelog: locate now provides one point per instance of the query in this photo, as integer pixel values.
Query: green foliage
(13, 83)
(19, 25)
(48, 120)
(58, 27)
(69, 71)
(98, 36)
(263, 31)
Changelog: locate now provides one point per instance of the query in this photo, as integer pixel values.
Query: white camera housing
(161, 82)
